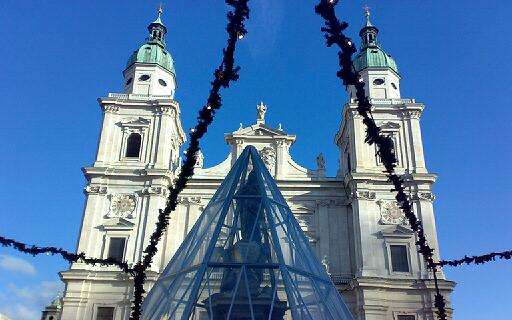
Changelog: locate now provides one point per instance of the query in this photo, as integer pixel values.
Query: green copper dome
(374, 57)
(153, 51)
(371, 54)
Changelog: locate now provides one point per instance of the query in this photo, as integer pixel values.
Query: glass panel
(105, 313)
(116, 248)
(399, 259)
(246, 258)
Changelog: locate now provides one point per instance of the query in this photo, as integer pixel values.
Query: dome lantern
(377, 68)
(150, 69)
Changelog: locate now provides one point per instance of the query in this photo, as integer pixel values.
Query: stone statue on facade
(320, 165)
(325, 263)
(199, 159)
(320, 161)
(262, 109)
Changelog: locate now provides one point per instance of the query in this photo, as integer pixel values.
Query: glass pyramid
(246, 258)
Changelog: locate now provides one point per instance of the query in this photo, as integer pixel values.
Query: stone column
(322, 232)
(281, 158)
(106, 137)
(416, 143)
(164, 136)
(364, 225)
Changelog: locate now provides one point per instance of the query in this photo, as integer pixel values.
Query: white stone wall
(350, 219)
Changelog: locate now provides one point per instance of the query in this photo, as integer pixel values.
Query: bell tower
(136, 161)
(386, 262)
(377, 68)
(150, 69)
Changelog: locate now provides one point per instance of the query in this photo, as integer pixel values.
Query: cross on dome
(157, 29)
(367, 15)
(160, 10)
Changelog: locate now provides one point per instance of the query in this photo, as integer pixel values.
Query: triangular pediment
(117, 223)
(398, 231)
(259, 129)
(389, 125)
(135, 122)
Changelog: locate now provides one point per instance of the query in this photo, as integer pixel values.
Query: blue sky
(57, 57)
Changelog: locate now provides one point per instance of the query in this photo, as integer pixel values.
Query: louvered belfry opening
(246, 258)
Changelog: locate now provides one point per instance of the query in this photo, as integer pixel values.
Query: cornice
(358, 177)
(92, 172)
(402, 284)
(102, 275)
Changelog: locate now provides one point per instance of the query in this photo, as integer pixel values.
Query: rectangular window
(405, 317)
(105, 313)
(399, 258)
(116, 248)
(394, 145)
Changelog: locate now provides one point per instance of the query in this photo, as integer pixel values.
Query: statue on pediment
(320, 162)
(199, 159)
(262, 109)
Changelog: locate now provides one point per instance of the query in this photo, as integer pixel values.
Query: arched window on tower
(370, 38)
(133, 145)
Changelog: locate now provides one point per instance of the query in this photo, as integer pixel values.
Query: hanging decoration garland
(66, 255)
(223, 75)
(485, 258)
(334, 35)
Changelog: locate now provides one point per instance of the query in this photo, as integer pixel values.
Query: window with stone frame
(399, 258)
(116, 248)
(394, 144)
(105, 313)
(391, 130)
(134, 138)
(405, 317)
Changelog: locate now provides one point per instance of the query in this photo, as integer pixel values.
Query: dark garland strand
(485, 258)
(334, 35)
(223, 75)
(70, 257)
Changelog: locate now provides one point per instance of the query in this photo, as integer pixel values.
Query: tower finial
(160, 10)
(367, 15)
(157, 29)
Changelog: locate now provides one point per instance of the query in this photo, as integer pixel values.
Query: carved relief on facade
(155, 191)
(110, 109)
(429, 196)
(363, 195)
(412, 114)
(306, 224)
(95, 189)
(268, 155)
(187, 200)
(390, 213)
(122, 205)
(167, 110)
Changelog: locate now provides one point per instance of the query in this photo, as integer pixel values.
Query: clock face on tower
(122, 205)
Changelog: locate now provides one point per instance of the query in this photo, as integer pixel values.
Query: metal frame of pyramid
(246, 258)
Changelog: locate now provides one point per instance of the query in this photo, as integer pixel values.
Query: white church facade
(351, 219)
